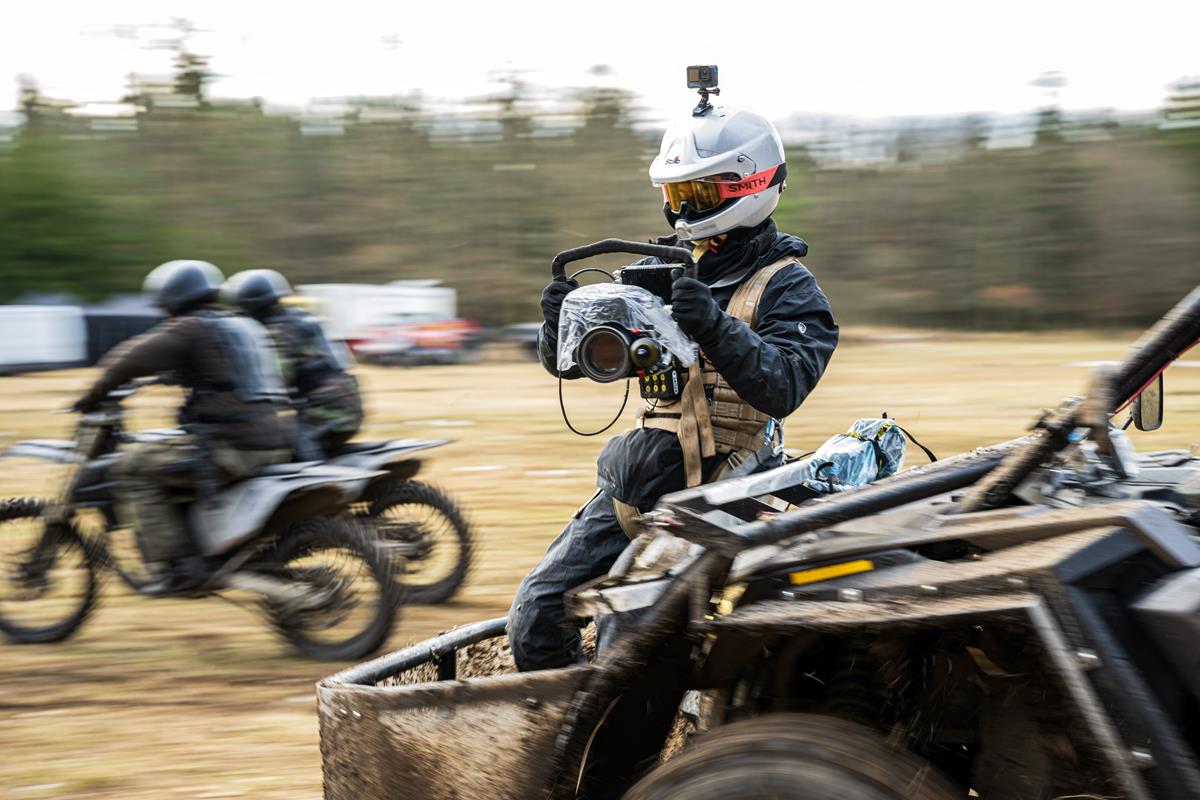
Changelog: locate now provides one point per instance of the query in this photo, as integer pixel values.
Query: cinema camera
(624, 329)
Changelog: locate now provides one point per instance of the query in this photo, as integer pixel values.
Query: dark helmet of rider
(256, 291)
(181, 286)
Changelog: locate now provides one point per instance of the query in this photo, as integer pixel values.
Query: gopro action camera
(702, 77)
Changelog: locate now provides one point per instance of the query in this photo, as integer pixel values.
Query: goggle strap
(752, 184)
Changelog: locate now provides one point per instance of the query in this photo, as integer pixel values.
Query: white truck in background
(406, 322)
(41, 337)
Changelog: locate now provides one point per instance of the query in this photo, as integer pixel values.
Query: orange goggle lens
(708, 193)
(699, 195)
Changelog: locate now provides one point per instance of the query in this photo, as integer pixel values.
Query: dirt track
(197, 699)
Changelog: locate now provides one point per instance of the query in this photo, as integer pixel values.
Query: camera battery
(665, 385)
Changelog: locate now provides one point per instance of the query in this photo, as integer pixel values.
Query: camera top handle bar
(558, 267)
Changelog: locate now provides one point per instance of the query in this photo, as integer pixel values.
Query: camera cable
(563, 407)
(561, 403)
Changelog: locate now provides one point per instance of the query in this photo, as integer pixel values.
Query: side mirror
(1147, 410)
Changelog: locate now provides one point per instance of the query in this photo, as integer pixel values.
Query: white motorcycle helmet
(720, 169)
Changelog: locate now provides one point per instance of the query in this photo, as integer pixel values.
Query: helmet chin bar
(684, 232)
(686, 222)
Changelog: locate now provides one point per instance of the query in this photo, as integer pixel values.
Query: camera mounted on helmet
(719, 168)
(703, 78)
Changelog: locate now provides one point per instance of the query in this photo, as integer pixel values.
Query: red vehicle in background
(403, 323)
(411, 343)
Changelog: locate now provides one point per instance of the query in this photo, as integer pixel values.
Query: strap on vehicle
(928, 453)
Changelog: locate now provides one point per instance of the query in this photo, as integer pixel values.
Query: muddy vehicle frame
(1020, 621)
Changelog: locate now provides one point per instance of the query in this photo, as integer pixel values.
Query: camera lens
(603, 354)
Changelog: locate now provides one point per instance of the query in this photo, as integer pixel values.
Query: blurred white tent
(41, 337)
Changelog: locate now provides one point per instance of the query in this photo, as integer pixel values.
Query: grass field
(198, 699)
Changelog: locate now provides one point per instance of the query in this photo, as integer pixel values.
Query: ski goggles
(705, 194)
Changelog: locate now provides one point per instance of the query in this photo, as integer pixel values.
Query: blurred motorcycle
(319, 574)
(420, 526)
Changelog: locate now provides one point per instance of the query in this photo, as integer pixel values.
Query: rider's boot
(161, 581)
(174, 577)
(163, 544)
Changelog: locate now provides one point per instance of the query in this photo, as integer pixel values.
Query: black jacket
(188, 346)
(773, 368)
(308, 359)
(314, 369)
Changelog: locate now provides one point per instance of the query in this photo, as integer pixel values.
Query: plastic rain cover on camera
(870, 450)
(630, 307)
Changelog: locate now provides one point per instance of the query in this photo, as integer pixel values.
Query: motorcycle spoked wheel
(426, 526)
(48, 579)
(353, 600)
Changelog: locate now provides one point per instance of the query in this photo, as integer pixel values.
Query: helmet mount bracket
(703, 107)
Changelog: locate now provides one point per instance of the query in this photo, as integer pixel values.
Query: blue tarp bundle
(870, 450)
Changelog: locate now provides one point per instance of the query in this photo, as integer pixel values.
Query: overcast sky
(854, 58)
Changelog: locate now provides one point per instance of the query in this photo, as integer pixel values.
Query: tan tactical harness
(729, 425)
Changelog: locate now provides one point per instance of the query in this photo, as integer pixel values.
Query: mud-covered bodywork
(411, 725)
(1023, 618)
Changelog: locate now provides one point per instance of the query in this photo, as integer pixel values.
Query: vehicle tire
(338, 556)
(42, 599)
(416, 516)
(794, 757)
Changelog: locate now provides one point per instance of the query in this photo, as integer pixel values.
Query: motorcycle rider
(766, 333)
(234, 397)
(327, 397)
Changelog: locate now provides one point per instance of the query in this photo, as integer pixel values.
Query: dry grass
(197, 699)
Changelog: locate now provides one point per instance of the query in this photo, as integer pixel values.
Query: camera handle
(558, 267)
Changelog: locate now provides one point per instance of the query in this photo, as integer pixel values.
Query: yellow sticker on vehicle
(818, 574)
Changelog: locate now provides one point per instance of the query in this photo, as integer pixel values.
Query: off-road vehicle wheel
(352, 600)
(794, 757)
(48, 577)
(428, 536)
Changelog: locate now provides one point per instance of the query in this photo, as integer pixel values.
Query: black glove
(552, 300)
(693, 307)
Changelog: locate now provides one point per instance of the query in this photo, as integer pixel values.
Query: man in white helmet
(765, 331)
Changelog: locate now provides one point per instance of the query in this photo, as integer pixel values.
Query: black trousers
(538, 629)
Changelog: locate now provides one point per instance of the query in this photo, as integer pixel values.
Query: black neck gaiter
(740, 249)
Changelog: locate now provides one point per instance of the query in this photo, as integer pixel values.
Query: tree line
(1090, 225)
